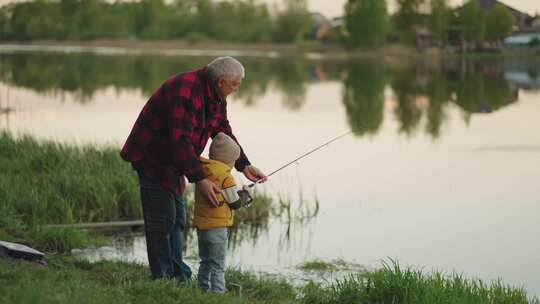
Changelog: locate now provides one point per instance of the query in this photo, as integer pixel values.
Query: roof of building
(521, 39)
(486, 5)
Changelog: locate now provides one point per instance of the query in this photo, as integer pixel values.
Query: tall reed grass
(51, 183)
(394, 284)
(43, 182)
(48, 182)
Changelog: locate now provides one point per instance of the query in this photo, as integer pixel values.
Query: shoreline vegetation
(73, 184)
(78, 184)
(364, 24)
(67, 280)
(310, 49)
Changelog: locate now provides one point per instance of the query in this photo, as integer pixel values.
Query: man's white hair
(225, 66)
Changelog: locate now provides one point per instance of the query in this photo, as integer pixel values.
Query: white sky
(334, 8)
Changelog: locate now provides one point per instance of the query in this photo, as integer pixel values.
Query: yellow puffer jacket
(206, 215)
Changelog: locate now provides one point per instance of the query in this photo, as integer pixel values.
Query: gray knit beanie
(224, 149)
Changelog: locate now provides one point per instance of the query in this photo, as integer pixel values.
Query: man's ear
(219, 82)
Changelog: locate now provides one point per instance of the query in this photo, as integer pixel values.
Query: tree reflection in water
(363, 97)
(421, 91)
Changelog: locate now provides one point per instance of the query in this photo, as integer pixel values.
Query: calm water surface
(441, 172)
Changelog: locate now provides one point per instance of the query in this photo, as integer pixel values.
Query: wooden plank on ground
(137, 223)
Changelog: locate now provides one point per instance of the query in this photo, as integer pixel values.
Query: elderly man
(164, 146)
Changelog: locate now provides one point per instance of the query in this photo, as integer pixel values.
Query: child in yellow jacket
(212, 222)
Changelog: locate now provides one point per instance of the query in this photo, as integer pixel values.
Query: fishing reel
(245, 197)
(240, 198)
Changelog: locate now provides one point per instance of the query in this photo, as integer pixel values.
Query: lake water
(441, 172)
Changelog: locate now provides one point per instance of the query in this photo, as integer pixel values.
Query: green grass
(394, 284)
(44, 182)
(262, 287)
(67, 280)
(317, 265)
(48, 182)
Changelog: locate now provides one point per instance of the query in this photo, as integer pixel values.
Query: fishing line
(302, 156)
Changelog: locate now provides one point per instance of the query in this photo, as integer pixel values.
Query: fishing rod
(302, 156)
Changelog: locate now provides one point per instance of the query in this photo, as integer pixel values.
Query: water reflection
(252, 222)
(420, 91)
(363, 97)
(249, 226)
(420, 201)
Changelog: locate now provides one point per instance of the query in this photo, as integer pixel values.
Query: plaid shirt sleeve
(181, 115)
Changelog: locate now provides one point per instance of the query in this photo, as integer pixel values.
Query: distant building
(535, 24)
(323, 28)
(523, 21)
(320, 27)
(524, 39)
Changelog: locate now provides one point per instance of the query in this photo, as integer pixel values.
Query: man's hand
(254, 174)
(209, 190)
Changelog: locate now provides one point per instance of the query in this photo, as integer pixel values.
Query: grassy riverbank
(392, 283)
(213, 48)
(45, 182)
(68, 280)
(285, 48)
(50, 183)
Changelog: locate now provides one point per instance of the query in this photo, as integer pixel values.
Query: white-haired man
(164, 146)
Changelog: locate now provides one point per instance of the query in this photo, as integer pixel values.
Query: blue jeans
(212, 251)
(164, 223)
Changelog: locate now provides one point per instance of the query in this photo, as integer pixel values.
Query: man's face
(228, 85)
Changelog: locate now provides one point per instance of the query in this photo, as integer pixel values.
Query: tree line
(193, 20)
(366, 22)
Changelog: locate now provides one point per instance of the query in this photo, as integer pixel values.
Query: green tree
(499, 23)
(5, 25)
(34, 20)
(407, 16)
(231, 19)
(258, 17)
(440, 20)
(182, 19)
(228, 20)
(471, 22)
(366, 21)
(292, 23)
(152, 19)
(85, 19)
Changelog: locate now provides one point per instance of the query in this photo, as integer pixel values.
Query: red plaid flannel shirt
(173, 128)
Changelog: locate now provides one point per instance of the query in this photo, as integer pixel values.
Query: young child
(212, 222)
